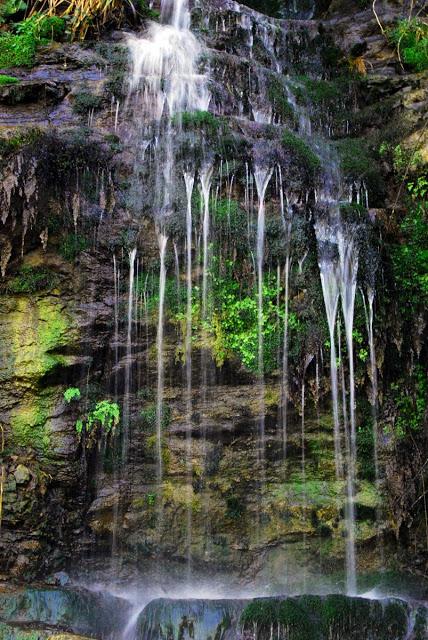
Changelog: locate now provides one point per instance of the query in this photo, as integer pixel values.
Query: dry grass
(85, 15)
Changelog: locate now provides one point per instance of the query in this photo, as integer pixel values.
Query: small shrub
(10, 8)
(356, 160)
(85, 102)
(19, 49)
(72, 246)
(148, 416)
(199, 120)
(410, 37)
(5, 80)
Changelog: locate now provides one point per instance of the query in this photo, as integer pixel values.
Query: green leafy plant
(10, 8)
(410, 37)
(103, 419)
(410, 257)
(18, 49)
(73, 393)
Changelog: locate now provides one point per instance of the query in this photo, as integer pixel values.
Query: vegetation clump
(6, 80)
(72, 246)
(301, 151)
(85, 102)
(31, 280)
(102, 419)
(278, 98)
(410, 37)
(18, 47)
(333, 617)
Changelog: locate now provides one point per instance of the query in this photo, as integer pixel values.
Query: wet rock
(22, 474)
(82, 612)
(198, 619)
(26, 92)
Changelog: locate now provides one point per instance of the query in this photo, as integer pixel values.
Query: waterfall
(262, 176)
(164, 64)
(162, 241)
(338, 263)
(285, 381)
(128, 363)
(373, 375)
(330, 282)
(307, 362)
(205, 180)
(189, 178)
(116, 277)
(348, 257)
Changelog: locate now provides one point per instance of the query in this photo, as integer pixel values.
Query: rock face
(60, 613)
(199, 619)
(68, 207)
(298, 618)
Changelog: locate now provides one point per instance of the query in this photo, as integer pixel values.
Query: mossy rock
(334, 617)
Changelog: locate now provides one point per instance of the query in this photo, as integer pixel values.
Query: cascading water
(330, 279)
(262, 177)
(189, 178)
(348, 256)
(373, 374)
(164, 65)
(205, 179)
(128, 363)
(162, 240)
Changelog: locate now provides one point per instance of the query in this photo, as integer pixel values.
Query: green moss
(28, 424)
(318, 92)
(196, 120)
(38, 330)
(6, 80)
(278, 98)
(334, 617)
(8, 632)
(21, 139)
(365, 447)
(17, 50)
(31, 280)
(301, 151)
